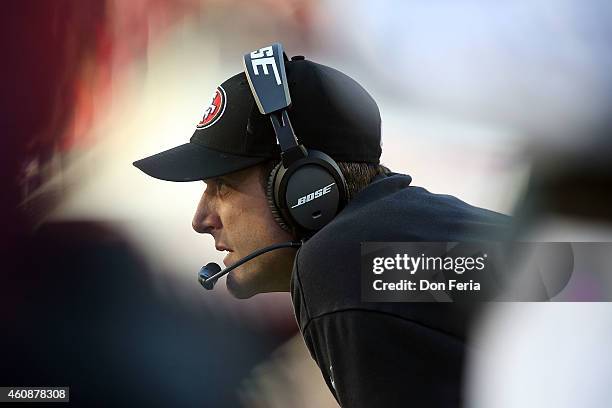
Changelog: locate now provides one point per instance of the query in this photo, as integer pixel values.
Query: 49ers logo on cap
(214, 111)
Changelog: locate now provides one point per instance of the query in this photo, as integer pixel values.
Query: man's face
(234, 210)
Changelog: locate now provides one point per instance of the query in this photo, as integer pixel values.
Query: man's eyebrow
(210, 180)
(223, 178)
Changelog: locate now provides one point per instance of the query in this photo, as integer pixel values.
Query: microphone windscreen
(206, 272)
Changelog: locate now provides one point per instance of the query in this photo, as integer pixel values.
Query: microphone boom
(211, 272)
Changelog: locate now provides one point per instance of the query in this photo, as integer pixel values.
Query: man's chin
(238, 289)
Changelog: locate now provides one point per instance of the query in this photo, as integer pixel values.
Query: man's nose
(205, 219)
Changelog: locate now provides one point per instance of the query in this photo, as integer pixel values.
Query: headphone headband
(271, 92)
(270, 88)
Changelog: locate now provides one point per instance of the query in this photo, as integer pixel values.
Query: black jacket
(385, 354)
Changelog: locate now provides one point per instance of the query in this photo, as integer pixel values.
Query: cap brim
(191, 162)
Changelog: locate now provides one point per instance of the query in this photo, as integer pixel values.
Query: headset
(306, 189)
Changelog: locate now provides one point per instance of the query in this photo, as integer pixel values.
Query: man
(370, 354)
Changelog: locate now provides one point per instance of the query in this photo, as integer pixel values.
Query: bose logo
(264, 57)
(315, 194)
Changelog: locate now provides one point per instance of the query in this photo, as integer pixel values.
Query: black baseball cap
(329, 112)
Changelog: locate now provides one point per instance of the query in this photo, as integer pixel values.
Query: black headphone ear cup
(276, 213)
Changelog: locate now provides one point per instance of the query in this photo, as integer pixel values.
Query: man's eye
(221, 185)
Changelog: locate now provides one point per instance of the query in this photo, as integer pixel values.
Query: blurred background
(506, 106)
